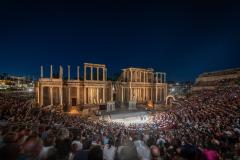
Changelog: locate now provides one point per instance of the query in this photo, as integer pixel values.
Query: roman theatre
(134, 86)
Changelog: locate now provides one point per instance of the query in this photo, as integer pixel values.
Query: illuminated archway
(168, 99)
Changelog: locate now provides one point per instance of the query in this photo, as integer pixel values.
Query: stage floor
(128, 118)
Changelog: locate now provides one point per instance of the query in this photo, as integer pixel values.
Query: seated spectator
(109, 151)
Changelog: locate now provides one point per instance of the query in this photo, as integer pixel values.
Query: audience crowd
(204, 126)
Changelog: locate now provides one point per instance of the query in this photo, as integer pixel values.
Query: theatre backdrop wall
(134, 84)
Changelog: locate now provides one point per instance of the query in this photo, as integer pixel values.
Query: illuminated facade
(134, 84)
(141, 85)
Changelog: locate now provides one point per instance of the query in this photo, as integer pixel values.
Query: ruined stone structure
(134, 84)
(213, 80)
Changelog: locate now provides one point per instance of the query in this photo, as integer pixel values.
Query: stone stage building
(134, 84)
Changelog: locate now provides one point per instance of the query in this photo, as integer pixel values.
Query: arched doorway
(169, 100)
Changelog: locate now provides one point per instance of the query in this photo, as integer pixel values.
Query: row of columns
(138, 76)
(40, 94)
(91, 72)
(140, 93)
(90, 90)
(61, 72)
(160, 77)
(143, 93)
(78, 72)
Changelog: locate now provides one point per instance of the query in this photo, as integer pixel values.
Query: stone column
(156, 77)
(165, 90)
(78, 73)
(147, 77)
(151, 93)
(156, 98)
(97, 73)
(104, 94)
(41, 96)
(91, 95)
(84, 95)
(103, 74)
(122, 95)
(69, 95)
(78, 98)
(111, 92)
(41, 71)
(91, 73)
(136, 76)
(144, 94)
(160, 91)
(131, 77)
(139, 76)
(144, 76)
(85, 73)
(69, 74)
(124, 75)
(160, 94)
(60, 96)
(164, 77)
(148, 94)
(130, 97)
(138, 94)
(51, 95)
(51, 72)
(97, 95)
(60, 72)
(38, 94)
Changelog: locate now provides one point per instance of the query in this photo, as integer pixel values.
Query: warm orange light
(74, 110)
(149, 104)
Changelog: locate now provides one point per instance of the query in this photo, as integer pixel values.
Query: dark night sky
(182, 39)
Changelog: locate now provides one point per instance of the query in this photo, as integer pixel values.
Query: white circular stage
(128, 118)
